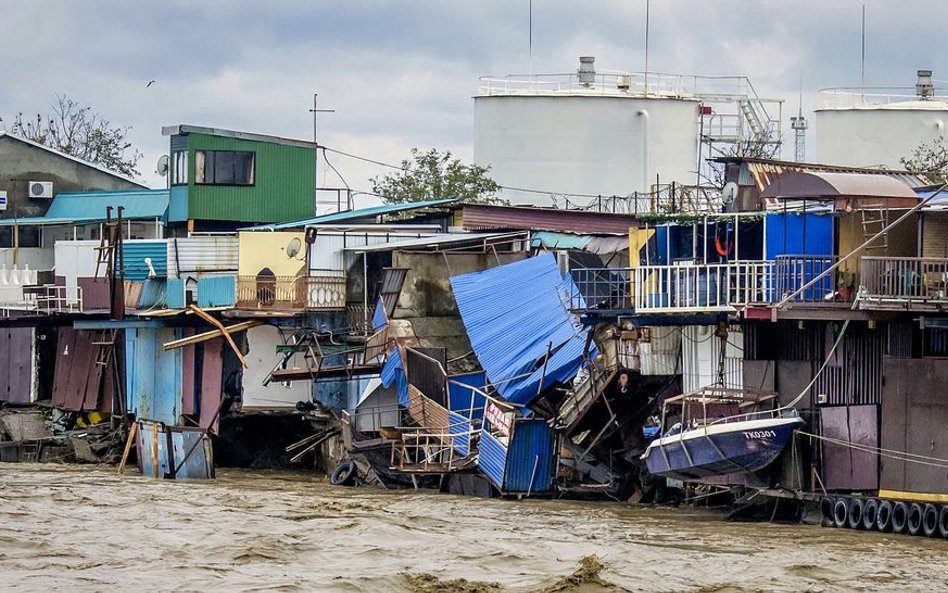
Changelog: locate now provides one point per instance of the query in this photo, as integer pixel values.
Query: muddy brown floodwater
(75, 528)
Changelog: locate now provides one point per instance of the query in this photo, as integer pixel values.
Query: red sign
(499, 420)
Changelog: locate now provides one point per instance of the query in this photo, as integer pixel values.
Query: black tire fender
(827, 503)
(870, 514)
(943, 522)
(884, 516)
(344, 474)
(915, 519)
(900, 512)
(841, 512)
(854, 512)
(930, 520)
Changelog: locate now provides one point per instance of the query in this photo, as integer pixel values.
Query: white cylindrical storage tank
(579, 139)
(859, 128)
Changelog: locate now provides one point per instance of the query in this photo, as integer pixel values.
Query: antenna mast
(799, 126)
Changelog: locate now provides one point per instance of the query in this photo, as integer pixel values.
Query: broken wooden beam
(223, 330)
(210, 335)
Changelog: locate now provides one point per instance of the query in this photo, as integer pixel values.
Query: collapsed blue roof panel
(514, 315)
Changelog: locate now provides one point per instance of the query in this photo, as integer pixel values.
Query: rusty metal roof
(763, 172)
(490, 218)
(826, 186)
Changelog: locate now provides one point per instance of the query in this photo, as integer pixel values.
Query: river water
(77, 528)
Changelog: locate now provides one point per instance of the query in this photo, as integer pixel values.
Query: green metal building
(222, 176)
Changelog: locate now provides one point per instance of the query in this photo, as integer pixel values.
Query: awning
(834, 186)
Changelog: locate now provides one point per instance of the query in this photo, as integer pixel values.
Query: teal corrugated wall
(135, 254)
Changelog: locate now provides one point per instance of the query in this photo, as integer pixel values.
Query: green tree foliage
(77, 130)
(433, 175)
(930, 159)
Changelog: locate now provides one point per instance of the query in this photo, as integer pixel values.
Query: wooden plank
(210, 335)
(6, 373)
(66, 342)
(211, 384)
(233, 345)
(188, 396)
(128, 447)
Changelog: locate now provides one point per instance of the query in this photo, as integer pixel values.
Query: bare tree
(77, 130)
(929, 159)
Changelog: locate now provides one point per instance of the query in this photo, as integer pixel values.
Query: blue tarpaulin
(378, 318)
(394, 373)
(514, 314)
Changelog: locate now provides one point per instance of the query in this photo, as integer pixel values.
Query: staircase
(582, 396)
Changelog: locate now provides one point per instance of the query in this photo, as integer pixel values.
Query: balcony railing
(793, 272)
(292, 293)
(903, 282)
(702, 287)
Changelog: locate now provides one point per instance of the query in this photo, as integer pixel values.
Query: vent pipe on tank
(924, 88)
(587, 70)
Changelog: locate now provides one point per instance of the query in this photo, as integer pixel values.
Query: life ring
(723, 249)
(870, 514)
(915, 519)
(841, 512)
(344, 474)
(900, 512)
(930, 520)
(884, 516)
(854, 511)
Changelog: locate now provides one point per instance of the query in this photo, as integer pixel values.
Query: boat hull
(731, 448)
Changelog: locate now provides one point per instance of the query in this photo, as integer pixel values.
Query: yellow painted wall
(258, 250)
(638, 238)
(902, 238)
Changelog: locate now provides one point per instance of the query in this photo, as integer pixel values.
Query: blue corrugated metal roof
(513, 314)
(89, 206)
(492, 458)
(530, 458)
(135, 253)
(350, 215)
(138, 204)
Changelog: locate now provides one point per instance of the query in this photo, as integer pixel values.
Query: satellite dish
(162, 166)
(293, 247)
(729, 193)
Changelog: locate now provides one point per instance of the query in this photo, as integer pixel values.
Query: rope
(829, 356)
(888, 453)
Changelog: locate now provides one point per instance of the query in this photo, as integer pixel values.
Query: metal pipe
(643, 113)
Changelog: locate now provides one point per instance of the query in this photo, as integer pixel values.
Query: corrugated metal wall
(135, 253)
(854, 373)
(845, 468)
(783, 340)
(460, 427)
(530, 458)
(935, 234)
(492, 458)
(154, 377)
(197, 255)
(217, 291)
(282, 190)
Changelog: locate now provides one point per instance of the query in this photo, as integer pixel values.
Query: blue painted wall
(530, 457)
(153, 376)
(798, 234)
(217, 291)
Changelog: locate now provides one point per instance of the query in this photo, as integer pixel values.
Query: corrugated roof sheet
(478, 217)
(145, 203)
(89, 206)
(513, 314)
(350, 215)
(445, 240)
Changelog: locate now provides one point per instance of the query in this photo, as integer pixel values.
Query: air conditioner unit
(41, 189)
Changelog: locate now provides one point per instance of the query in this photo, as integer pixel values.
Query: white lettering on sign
(498, 419)
(759, 434)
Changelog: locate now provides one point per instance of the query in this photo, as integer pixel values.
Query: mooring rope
(882, 452)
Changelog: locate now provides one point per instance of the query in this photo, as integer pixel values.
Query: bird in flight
(149, 84)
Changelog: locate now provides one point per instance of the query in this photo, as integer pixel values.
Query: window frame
(205, 161)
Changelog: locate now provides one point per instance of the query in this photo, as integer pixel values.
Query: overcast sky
(401, 74)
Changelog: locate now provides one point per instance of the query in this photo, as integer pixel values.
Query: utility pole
(316, 111)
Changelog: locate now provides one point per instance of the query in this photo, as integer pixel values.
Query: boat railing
(756, 415)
